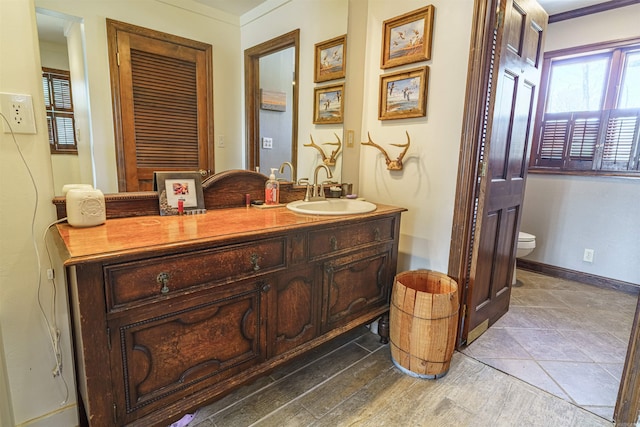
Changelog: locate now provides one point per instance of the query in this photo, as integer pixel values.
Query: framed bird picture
(330, 59)
(407, 38)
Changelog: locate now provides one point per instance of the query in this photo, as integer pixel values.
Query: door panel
(506, 152)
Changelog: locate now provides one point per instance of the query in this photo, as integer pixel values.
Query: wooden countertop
(146, 234)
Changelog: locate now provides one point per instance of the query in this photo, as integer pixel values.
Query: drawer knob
(254, 262)
(334, 243)
(163, 279)
(376, 234)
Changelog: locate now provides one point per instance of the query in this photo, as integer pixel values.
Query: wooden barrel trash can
(423, 319)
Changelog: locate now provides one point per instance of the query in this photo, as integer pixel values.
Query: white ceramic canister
(85, 207)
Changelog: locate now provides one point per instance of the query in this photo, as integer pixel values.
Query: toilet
(526, 244)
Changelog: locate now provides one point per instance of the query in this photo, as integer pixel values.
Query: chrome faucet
(290, 167)
(318, 189)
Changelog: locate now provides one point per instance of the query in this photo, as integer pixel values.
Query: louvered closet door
(162, 90)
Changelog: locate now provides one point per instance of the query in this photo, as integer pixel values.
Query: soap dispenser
(272, 189)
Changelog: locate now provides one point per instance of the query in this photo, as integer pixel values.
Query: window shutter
(620, 147)
(552, 142)
(61, 93)
(585, 129)
(47, 92)
(165, 111)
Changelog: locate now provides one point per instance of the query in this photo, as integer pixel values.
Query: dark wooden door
(505, 162)
(163, 104)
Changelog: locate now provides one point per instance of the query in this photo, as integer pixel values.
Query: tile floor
(562, 344)
(564, 337)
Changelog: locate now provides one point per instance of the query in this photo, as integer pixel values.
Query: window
(56, 85)
(588, 117)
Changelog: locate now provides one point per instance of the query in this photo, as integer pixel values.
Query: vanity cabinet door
(180, 347)
(296, 300)
(355, 283)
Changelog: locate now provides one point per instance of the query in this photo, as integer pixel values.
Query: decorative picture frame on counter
(328, 106)
(403, 94)
(407, 38)
(330, 59)
(179, 192)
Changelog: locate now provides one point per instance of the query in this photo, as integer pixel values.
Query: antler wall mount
(392, 165)
(327, 160)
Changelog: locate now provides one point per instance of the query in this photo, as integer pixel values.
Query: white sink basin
(332, 207)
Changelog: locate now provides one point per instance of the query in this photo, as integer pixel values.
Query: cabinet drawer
(333, 240)
(139, 281)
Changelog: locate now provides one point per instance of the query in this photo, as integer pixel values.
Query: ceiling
(239, 7)
(52, 29)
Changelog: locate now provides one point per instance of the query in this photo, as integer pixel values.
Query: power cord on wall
(52, 326)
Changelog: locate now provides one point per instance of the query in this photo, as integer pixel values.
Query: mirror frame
(252, 95)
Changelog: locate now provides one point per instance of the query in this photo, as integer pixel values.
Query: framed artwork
(328, 106)
(331, 59)
(407, 38)
(179, 192)
(273, 100)
(403, 94)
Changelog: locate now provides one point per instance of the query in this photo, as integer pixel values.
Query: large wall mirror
(72, 36)
(271, 103)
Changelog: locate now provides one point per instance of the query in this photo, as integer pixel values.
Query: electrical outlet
(588, 255)
(18, 109)
(267, 142)
(220, 141)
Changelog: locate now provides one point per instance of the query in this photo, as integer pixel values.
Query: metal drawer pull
(376, 234)
(163, 279)
(254, 262)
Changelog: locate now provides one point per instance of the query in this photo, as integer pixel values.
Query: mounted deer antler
(331, 160)
(392, 165)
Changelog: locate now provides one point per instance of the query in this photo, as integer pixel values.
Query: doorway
(273, 63)
(466, 209)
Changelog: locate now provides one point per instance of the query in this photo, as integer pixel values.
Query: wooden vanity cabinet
(161, 330)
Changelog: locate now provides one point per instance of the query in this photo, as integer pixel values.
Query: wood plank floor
(351, 381)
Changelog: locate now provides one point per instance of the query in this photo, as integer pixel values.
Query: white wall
(567, 213)
(319, 21)
(27, 356)
(427, 184)
(207, 25)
